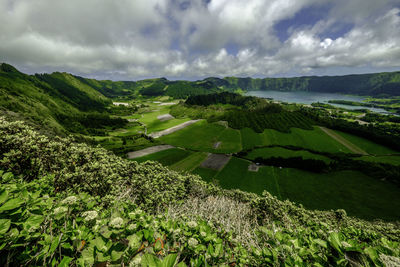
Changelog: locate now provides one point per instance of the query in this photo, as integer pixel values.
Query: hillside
(387, 83)
(58, 101)
(70, 203)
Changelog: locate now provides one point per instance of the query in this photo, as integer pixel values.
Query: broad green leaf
(134, 241)
(11, 204)
(170, 260)
(334, 241)
(7, 177)
(321, 242)
(33, 221)
(373, 254)
(149, 260)
(54, 244)
(181, 264)
(65, 261)
(88, 256)
(4, 226)
(3, 196)
(116, 255)
(99, 243)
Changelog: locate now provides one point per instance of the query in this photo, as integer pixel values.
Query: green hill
(58, 101)
(386, 83)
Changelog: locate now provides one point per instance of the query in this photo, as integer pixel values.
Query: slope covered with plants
(58, 101)
(64, 203)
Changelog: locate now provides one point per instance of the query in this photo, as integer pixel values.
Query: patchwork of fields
(353, 191)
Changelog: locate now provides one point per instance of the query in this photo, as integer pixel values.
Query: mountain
(386, 83)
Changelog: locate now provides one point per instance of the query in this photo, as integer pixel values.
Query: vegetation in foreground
(69, 203)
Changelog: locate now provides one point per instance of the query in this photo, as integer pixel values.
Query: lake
(302, 97)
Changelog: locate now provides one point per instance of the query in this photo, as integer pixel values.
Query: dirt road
(172, 129)
(146, 151)
(352, 147)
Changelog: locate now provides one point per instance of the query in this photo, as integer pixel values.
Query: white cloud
(133, 39)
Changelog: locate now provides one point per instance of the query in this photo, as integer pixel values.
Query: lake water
(302, 97)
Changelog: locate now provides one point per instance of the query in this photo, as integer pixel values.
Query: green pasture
(189, 163)
(205, 173)
(268, 152)
(394, 160)
(314, 139)
(366, 145)
(202, 136)
(166, 157)
(358, 194)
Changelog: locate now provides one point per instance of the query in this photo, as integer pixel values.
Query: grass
(235, 175)
(358, 194)
(394, 160)
(205, 173)
(268, 152)
(250, 138)
(202, 136)
(366, 145)
(153, 124)
(189, 163)
(314, 139)
(166, 157)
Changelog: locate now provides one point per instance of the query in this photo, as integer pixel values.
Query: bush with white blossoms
(117, 222)
(193, 242)
(192, 224)
(71, 200)
(60, 210)
(90, 215)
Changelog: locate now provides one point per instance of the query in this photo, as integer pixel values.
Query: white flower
(60, 210)
(192, 224)
(192, 242)
(90, 215)
(132, 227)
(117, 222)
(70, 200)
(203, 234)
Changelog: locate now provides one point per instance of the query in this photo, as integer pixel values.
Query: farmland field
(189, 163)
(202, 136)
(368, 146)
(394, 160)
(314, 139)
(205, 173)
(235, 175)
(268, 152)
(166, 157)
(353, 191)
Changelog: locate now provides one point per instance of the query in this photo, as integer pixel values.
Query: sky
(194, 39)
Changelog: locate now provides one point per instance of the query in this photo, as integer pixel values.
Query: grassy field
(394, 160)
(314, 139)
(268, 152)
(205, 173)
(166, 157)
(366, 145)
(189, 163)
(202, 136)
(236, 175)
(250, 138)
(353, 191)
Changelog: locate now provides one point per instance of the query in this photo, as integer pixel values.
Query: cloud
(194, 39)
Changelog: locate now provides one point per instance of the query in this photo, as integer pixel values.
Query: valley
(191, 149)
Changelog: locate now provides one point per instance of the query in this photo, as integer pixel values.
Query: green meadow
(268, 152)
(203, 136)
